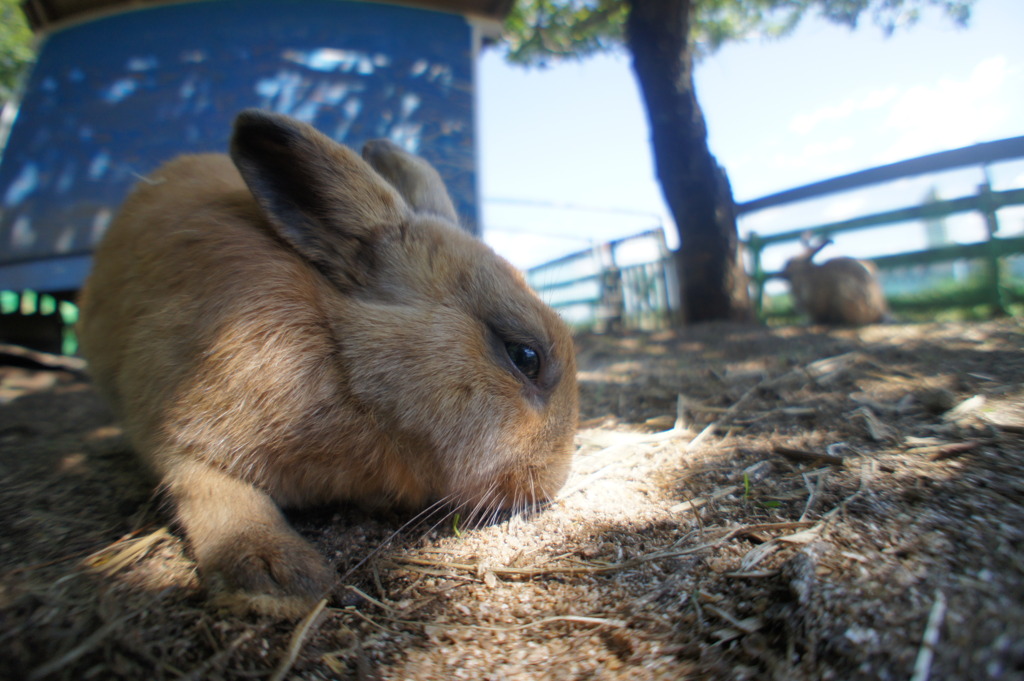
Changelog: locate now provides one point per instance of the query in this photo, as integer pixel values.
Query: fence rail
(974, 155)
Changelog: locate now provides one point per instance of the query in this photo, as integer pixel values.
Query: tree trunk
(714, 284)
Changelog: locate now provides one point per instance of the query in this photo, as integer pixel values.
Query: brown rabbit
(284, 327)
(841, 291)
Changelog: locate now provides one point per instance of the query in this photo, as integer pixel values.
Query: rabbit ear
(416, 180)
(319, 196)
(817, 249)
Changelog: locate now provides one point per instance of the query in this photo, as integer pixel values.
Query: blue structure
(115, 95)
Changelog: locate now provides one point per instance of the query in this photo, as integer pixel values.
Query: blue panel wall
(111, 99)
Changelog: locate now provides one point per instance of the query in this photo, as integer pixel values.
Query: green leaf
(538, 32)
(16, 50)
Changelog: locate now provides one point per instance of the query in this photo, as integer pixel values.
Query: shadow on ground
(746, 503)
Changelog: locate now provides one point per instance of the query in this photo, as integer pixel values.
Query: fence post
(673, 316)
(755, 246)
(988, 206)
(611, 306)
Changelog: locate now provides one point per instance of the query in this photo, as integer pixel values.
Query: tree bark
(713, 281)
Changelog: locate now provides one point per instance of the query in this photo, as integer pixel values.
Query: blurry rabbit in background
(842, 291)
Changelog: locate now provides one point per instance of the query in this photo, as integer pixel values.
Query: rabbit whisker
(420, 517)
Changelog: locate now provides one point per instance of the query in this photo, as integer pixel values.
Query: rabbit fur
(842, 291)
(285, 328)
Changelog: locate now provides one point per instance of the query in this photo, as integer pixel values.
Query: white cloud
(892, 123)
(948, 114)
(813, 153)
(805, 123)
(844, 208)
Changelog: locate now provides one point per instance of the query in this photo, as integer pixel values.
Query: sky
(565, 159)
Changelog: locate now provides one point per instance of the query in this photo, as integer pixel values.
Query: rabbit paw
(273, 574)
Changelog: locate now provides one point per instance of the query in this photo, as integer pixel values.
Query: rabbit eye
(526, 359)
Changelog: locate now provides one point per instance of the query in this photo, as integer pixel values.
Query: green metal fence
(627, 283)
(992, 290)
(593, 289)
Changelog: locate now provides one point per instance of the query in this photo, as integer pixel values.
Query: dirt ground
(746, 503)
